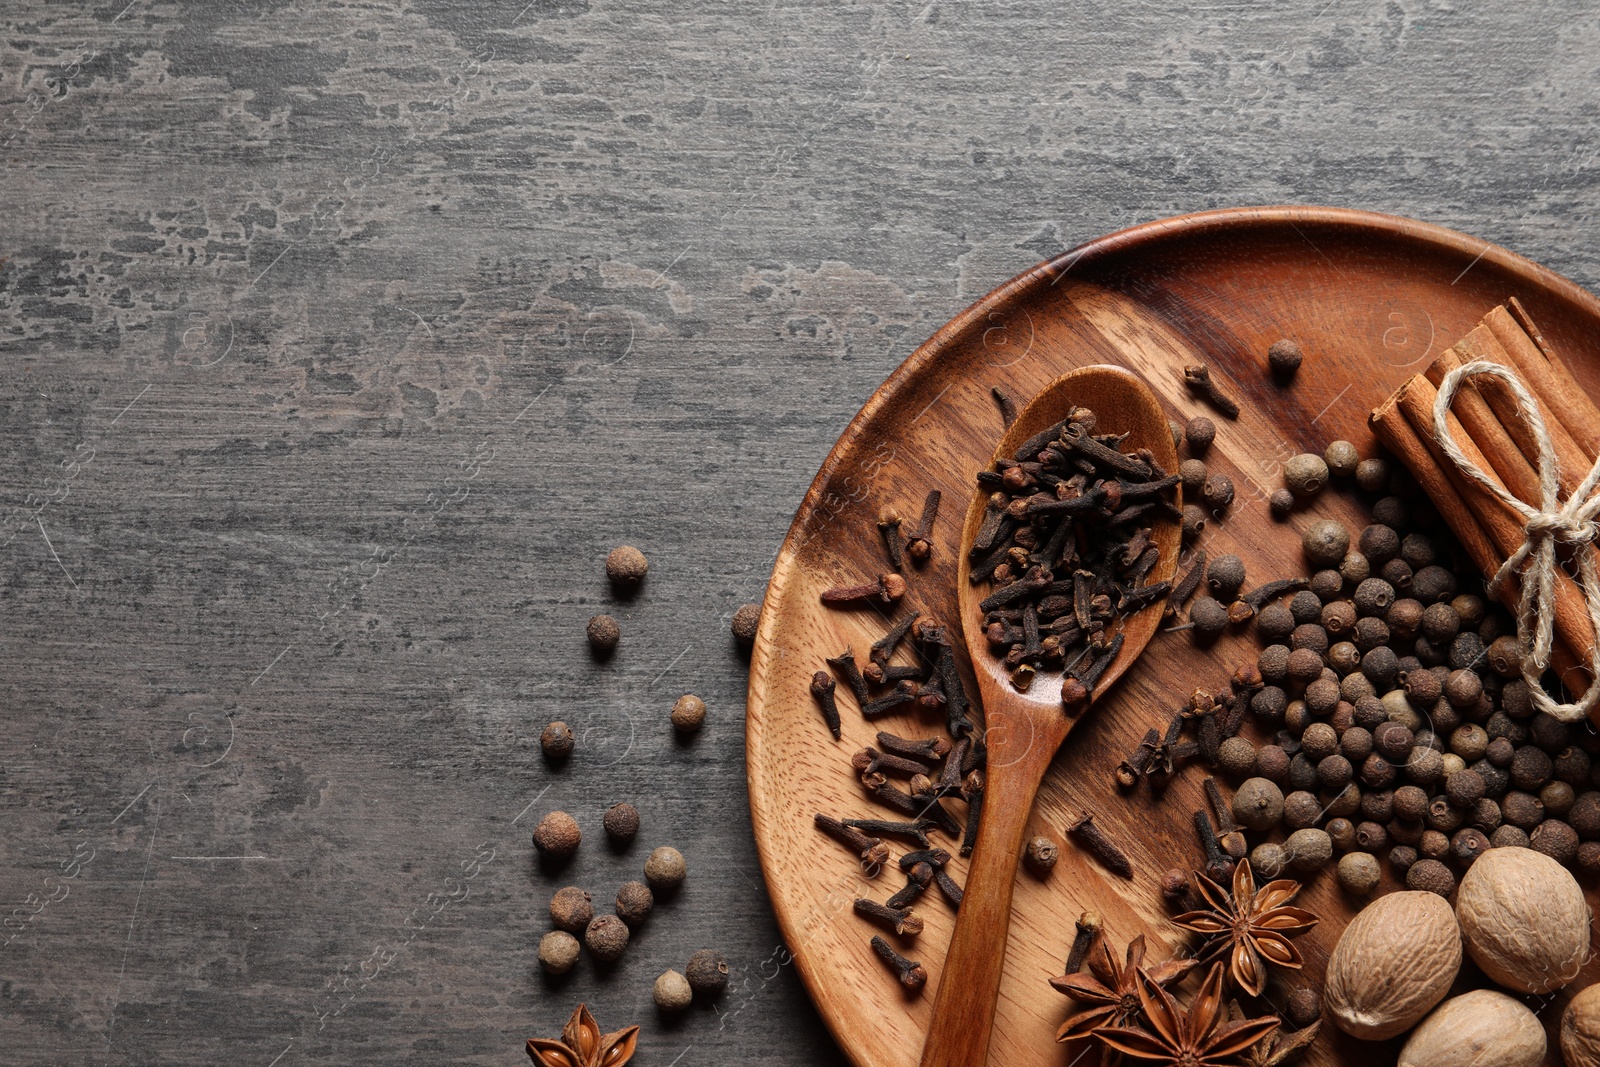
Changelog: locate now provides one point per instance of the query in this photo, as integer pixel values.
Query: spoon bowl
(1023, 730)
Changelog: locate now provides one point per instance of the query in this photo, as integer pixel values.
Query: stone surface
(342, 342)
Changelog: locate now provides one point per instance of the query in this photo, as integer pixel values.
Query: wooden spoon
(1023, 730)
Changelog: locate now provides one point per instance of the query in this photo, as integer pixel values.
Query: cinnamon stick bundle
(1487, 425)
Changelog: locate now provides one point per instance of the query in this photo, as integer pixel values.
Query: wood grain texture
(1223, 285)
(654, 257)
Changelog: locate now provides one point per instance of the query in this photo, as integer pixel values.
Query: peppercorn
(1309, 849)
(1272, 763)
(1372, 475)
(1470, 742)
(1522, 809)
(707, 972)
(1192, 473)
(1466, 652)
(603, 633)
(634, 901)
(1042, 853)
(1209, 616)
(1296, 717)
(746, 621)
(1373, 597)
(1377, 805)
(665, 869)
(1422, 688)
(1439, 623)
(1199, 433)
(1397, 572)
(1376, 772)
(1588, 858)
(1485, 815)
(1258, 804)
(1225, 576)
(1338, 617)
(1515, 700)
(1505, 656)
(1305, 665)
(1548, 732)
(1354, 568)
(1425, 766)
(1321, 697)
(671, 992)
(1300, 809)
(688, 713)
(1380, 666)
(1370, 836)
(1369, 633)
(1342, 833)
(1236, 757)
(1396, 708)
(1508, 836)
(1431, 876)
(1217, 492)
(1555, 839)
(1432, 584)
(1462, 688)
(626, 567)
(558, 952)
(1273, 663)
(1499, 751)
(1269, 704)
(1268, 860)
(1404, 618)
(1344, 658)
(1284, 359)
(1305, 606)
(1358, 873)
(1450, 763)
(1404, 833)
(1584, 815)
(1326, 584)
(557, 835)
(1274, 623)
(1443, 815)
(1393, 742)
(1305, 475)
(1467, 845)
(606, 938)
(1280, 503)
(1530, 768)
(621, 822)
(1401, 858)
(1557, 798)
(1355, 744)
(571, 909)
(557, 741)
(1356, 685)
(1496, 780)
(1410, 803)
(1325, 543)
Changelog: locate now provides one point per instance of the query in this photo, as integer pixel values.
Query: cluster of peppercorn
(1390, 697)
(1066, 542)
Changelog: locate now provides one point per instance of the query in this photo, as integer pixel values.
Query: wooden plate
(1370, 298)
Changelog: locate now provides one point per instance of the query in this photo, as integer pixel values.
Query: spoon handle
(969, 984)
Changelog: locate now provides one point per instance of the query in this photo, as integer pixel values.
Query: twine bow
(1568, 522)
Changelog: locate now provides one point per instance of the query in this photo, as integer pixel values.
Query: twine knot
(1570, 521)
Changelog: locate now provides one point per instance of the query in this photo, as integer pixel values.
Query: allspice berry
(688, 713)
(1258, 804)
(671, 992)
(1225, 576)
(557, 741)
(1555, 839)
(1304, 1007)
(1281, 502)
(606, 937)
(1041, 855)
(557, 835)
(571, 909)
(1268, 860)
(626, 567)
(1305, 475)
(1199, 433)
(634, 901)
(604, 633)
(1326, 542)
(1431, 876)
(1372, 475)
(1192, 474)
(665, 869)
(745, 623)
(1341, 458)
(707, 972)
(1237, 758)
(558, 952)
(1210, 618)
(621, 822)
(1284, 359)
(1309, 849)
(1359, 873)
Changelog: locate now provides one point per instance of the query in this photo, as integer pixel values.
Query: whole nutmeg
(671, 992)
(626, 567)
(557, 741)
(1580, 1029)
(746, 621)
(634, 901)
(621, 822)
(707, 972)
(570, 909)
(688, 713)
(606, 937)
(557, 835)
(1481, 1027)
(1258, 804)
(1392, 964)
(665, 869)
(603, 633)
(1524, 919)
(558, 952)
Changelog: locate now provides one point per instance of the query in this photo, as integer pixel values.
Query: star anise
(1280, 1047)
(1176, 1038)
(1251, 928)
(1112, 991)
(582, 1045)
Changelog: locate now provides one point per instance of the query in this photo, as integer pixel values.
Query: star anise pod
(1252, 928)
(1112, 991)
(1194, 1038)
(1280, 1047)
(582, 1045)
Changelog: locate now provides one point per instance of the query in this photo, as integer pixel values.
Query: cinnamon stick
(1515, 468)
(1569, 403)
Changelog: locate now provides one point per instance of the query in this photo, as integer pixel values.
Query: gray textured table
(341, 341)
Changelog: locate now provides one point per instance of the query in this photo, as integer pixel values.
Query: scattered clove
(1089, 836)
(909, 972)
(1198, 379)
(844, 664)
(893, 541)
(888, 588)
(872, 852)
(1088, 925)
(822, 687)
(902, 921)
(919, 546)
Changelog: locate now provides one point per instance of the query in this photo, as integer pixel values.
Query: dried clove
(1130, 770)
(1088, 926)
(844, 664)
(1232, 839)
(906, 804)
(972, 788)
(1219, 865)
(1262, 595)
(920, 545)
(917, 879)
(1089, 836)
(948, 887)
(1185, 587)
(872, 852)
(888, 588)
(933, 857)
(1008, 407)
(870, 760)
(822, 687)
(927, 749)
(1198, 379)
(909, 972)
(904, 693)
(916, 829)
(883, 648)
(893, 542)
(902, 921)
